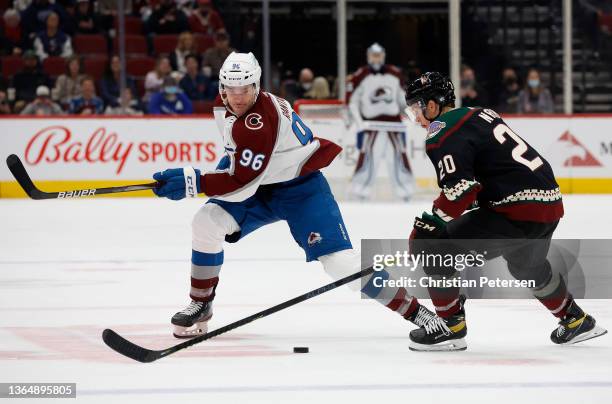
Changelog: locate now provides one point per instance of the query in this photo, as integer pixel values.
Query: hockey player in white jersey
(376, 99)
(270, 172)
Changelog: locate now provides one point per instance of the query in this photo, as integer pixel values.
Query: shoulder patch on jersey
(434, 128)
(253, 121)
(453, 120)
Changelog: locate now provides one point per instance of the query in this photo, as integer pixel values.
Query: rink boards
(75, 152)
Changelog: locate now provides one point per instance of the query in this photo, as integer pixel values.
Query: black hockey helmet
(431, 86)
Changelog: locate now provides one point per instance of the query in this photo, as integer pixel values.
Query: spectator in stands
(109, 84)
(27, 81)
(155, 78)
(42, 104)
(205, 19)
(534, 98)
(34, 18)
(296, 90)
(88, 103)
(87, 21)
(194, 84)
(472, 94)
(319, 89)
(167, 19)
(5, 105)
(68, 85)
(127, 105)
(214, 57)
(52, 41)
(109, 7)
(11, 38)
(170, 100)
(107, 12)
(185, 46)
(508, 96)
(21, 5)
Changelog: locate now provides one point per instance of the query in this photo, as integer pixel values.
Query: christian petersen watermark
(491, 268)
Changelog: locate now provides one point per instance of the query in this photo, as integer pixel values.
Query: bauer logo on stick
(77, 194)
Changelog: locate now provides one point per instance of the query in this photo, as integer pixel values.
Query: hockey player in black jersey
(480, 161)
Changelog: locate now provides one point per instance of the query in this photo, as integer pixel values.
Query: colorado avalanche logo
(382, 94)
(253, 121)
(434, 128)
(314, 238)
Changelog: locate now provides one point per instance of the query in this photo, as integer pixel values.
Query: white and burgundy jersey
(377, 96)
(267, 145)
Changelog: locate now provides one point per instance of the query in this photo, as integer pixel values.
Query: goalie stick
(144, 355)
(21, 175)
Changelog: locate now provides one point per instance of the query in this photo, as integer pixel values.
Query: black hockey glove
(427, 226)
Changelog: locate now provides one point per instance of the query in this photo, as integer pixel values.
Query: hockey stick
(140, 354)
(21, 175)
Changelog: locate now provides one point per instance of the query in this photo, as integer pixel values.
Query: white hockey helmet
(240, 69)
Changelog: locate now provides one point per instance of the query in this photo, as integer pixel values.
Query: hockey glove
(178, 183)
(427, 226)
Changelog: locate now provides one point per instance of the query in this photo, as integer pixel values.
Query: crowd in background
(184, 80)
(36, 32)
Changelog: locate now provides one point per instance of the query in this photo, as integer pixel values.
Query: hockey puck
(300, 349)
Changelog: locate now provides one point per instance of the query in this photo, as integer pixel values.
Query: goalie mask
(376, 56)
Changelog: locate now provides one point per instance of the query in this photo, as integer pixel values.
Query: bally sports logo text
(58, 144)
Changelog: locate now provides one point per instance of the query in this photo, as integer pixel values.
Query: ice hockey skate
(192, 320)
(576, 326)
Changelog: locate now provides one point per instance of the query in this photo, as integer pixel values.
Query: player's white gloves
(178, 183)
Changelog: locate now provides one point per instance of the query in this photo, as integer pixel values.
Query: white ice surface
(69, 269)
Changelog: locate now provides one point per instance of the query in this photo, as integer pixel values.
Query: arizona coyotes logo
(314, 238)
(253, 121)
(382, 94)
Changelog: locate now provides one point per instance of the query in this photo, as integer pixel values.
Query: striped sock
(395, 298)
(205, 268)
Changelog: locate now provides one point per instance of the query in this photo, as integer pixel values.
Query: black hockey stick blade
(23, 179)
(127, 348)
(16, 168)
(140, 354)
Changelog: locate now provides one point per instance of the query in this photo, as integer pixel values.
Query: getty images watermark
(458, 262)
(491, 268)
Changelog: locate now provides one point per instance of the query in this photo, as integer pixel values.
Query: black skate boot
(438, 334)
(198, 314)
(576, 326)
(421, 316)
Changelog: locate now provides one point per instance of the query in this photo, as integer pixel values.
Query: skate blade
(190, 332)
(446, 346)
(597, 331)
